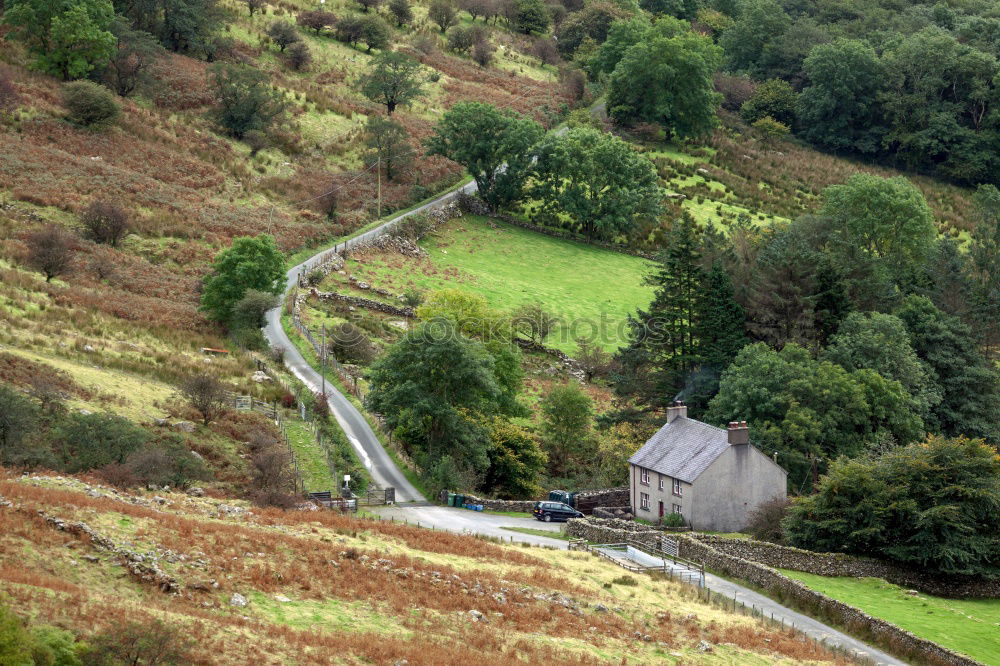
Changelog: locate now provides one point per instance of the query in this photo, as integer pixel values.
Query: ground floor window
(644, 501)
(676, 508)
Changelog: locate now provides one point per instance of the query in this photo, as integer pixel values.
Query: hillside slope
(325, 588)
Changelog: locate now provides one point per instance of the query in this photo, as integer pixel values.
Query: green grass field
(971, 627)
(592, 290)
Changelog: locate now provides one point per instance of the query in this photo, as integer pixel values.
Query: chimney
(739, 433)
(675, 410)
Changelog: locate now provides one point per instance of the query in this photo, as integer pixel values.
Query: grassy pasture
(967, 626)
(591, 289)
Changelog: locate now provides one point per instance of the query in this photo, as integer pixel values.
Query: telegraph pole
(322, 363)
(378, 168)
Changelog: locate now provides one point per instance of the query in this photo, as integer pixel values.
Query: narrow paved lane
(366, 444)
(475, 522)
(463, 521)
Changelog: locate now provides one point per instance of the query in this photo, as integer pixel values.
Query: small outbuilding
(711, 476)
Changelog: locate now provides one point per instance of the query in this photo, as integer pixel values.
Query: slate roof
(682, 449)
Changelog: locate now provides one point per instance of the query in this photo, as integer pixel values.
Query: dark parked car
(549, 511)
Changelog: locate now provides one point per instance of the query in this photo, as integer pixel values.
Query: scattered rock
(195, 491)
(600, 608)
(476, 616)
(238, 600)
(364, 286)
(282, 598)
(185, 426)
(88, 349)
(260, 376)
(704, 646)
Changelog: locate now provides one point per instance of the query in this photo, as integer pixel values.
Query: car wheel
(548, 518)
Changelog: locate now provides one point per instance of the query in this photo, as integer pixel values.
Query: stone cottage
(712, 477)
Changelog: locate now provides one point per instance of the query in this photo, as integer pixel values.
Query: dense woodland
(863, 322)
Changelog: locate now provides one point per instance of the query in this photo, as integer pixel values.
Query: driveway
(463, 521)
(479, 522)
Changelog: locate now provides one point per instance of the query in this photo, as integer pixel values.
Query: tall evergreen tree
(984, 252)
(663, 344)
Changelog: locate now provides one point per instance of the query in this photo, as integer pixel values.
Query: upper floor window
(678, 489)
(661, 482)
(644, 476)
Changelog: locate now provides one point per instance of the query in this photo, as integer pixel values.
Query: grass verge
(535, 532)
(969, 626)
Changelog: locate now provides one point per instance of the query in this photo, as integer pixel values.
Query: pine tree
(720, 333)
(663, 345)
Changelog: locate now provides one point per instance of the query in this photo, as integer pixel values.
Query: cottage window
(644, 501)
(678, 490)
(644, 476)
(661, 482)
(676, 508)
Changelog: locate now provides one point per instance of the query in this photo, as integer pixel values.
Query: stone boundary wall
(613, 512)
(900, 641)
(606, 496)
(367, 303)
(494, 504)
(571, 365)
(842, 564)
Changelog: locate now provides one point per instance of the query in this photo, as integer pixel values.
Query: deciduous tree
(667, 80)
(50, 251)
(393, 79)
(69, 38)
(388, 142)
(444, 13)
(206, 394)
(246, 99)
(249, 263)
(567, 419)
(495, 146)
(597, 180)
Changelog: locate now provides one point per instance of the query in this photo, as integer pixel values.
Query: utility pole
(322, 363)
(378, 168)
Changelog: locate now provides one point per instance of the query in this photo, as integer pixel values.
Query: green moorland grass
(971, 627)
(592, 290)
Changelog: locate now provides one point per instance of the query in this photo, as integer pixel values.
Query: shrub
(672, 520)
(375, 33)
(736, 90)
(401, 11)
(52, 646)
(288, 401)
(770, 129)
(461, 38)
(321, 406)
(413, 297)
(90, 105)
(299, 56)
(625, 580)
(105, 223)
(444, 13)
(166, 463)
(89, 441)
(350, 29)
(15, 641)
(764, 522)
(18, 418)
(206, 394)
(482, 53)
(349, 343)
(283, 34)
(274, 480)
(251, 339)
(545, 50)
(369, 4)
(256, 140)
(154, 642)
(249, 311)
(316, 20)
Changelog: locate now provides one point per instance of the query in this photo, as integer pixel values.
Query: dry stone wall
(842, 564)
(899, 641)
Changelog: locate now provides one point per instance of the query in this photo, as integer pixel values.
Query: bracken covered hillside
(315, 587)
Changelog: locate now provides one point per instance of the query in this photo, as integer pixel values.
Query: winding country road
(366, 444)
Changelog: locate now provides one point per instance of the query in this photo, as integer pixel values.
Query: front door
(661, 509)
